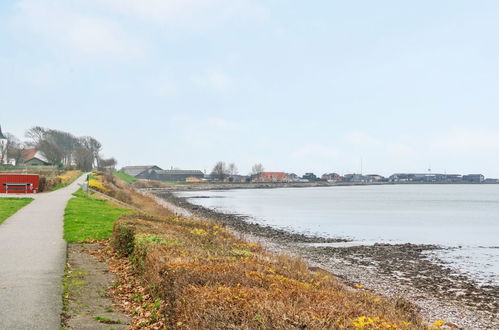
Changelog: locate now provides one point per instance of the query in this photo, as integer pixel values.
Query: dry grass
(113, 186)
(210, 279)
(142, 183)
(53, 180)
(207, 278)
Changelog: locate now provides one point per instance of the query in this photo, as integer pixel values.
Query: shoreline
(276, 185)
(406, 271)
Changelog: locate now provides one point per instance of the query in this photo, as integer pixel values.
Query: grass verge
(9, 206)
(126, 177)
(88, 218)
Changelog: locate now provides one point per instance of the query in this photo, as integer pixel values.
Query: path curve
(32, 259)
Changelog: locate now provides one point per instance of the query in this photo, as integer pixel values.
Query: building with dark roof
(142, 171)
(474, 178)
(178, 175)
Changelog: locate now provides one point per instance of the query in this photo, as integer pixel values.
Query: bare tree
(232, 169)
(65, 142)
(84, 158)
(219, 171)
(15, 148)
(257, 168)
(51, 151)
(107, 164)
(36, 135)
(93, 146)
(64, 149)
(50, 143)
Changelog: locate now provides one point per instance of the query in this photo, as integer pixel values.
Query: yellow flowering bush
(69, 176)
(97, 185)
(437, 325)
(199, 232)
(366, 322)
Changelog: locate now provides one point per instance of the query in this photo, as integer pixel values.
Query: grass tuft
(106, 320)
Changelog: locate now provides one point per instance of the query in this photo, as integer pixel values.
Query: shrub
(98, 185)
(42, 184)
(123, 239)
(208, 278)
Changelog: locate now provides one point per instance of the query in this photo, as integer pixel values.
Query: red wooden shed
(19, 183)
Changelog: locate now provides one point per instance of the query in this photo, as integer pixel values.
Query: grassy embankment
(203, 276)
(126, 177)
(88, 218)
(9, 206)
(199, 275)
(208, 278)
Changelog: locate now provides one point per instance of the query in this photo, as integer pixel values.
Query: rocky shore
(154, 186)
(406, 271)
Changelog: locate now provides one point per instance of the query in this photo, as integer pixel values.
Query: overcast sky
(296, 85)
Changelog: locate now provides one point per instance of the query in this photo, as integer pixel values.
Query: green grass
(88, 218)
(126, 177)
(73, 281)
(9, 206)
(106, 320)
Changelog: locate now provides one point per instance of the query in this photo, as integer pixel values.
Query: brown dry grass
(210, 279)
(142, 183)
(119, 189)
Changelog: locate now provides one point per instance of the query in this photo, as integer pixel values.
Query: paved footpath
(32, 259)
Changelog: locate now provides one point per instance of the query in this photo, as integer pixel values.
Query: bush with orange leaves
(210, 279)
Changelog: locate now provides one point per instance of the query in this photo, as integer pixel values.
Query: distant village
(153, 172)
(56, 149)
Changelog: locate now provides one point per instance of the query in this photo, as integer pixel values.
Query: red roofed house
(34, 157)
(271, 177)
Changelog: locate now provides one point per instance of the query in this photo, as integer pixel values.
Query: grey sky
(296, 85)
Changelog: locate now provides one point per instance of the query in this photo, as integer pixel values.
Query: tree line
(221, 170)
(60, 148)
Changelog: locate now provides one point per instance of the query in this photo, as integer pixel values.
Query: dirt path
(32, 258)
(86, 290)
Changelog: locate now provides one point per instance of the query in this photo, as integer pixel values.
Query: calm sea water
(464, 218)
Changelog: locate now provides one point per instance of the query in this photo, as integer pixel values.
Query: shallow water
(464, 218)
